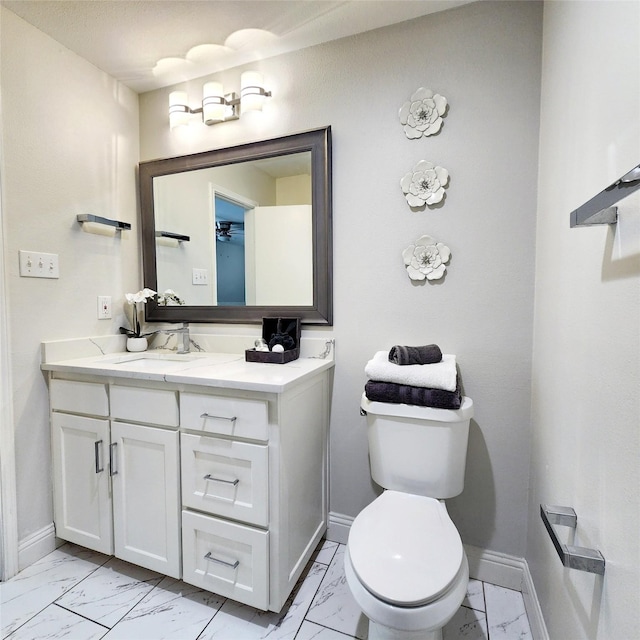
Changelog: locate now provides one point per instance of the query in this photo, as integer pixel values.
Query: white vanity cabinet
(221, 483)
(116, 483)
(254, 489)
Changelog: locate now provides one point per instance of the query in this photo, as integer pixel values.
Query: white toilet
(405, 564)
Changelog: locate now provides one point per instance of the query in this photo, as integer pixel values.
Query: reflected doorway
(230, 252)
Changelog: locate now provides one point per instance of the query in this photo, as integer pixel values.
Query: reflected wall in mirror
(241, 233)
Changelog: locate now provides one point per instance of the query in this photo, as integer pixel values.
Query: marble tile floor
(77, 594)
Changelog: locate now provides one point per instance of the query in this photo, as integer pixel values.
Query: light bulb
(178, 109)
(213, 106)
(252, 93)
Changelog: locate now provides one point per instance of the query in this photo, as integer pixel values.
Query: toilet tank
(418, 450)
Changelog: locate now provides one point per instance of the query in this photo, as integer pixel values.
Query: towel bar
(89, 217)
(600, 209)
(174, 236)
(581, 558)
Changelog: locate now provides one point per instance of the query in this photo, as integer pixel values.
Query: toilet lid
(405, 549)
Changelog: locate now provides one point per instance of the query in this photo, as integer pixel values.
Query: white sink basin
(150, 355)
(164, 361)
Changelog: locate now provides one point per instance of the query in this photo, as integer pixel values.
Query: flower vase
(137, 344)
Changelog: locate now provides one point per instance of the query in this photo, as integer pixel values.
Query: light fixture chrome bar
(259, 91)
(231, 103)
(89, 217)
(581, 558)
(175, 236)
(600, 209)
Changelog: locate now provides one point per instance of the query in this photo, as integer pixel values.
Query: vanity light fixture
(218, 106)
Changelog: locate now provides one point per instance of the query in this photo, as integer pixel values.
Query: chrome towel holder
(600, 209)
(89, 217)
(581, 558)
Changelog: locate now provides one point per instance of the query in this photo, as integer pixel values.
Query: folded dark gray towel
(420, 396)
(428, 354)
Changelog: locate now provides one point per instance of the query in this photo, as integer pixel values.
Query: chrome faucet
(184, 346)
(184, 340)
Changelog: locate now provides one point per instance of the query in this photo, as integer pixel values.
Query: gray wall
(485, 58)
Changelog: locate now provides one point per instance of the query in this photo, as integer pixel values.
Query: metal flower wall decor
(424, 184)
(422, 115)
(426, 259)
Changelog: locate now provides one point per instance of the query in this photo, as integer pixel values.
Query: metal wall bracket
(174, 236)
(600, 209)
(581, 558)
(89, 217)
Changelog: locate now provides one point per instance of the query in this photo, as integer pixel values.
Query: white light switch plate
(200, 276)
(104, 307)
(35, 264)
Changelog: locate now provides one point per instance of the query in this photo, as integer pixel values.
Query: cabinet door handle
(96, 450)
(208, 415)
(233, 482)
(233, 565)
(112, 459)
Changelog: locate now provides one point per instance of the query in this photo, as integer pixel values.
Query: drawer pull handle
(233, 482)
(208, 415)
(233, 565)
(112, 460)
(96, 450)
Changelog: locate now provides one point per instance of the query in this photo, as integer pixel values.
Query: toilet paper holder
(581, 558)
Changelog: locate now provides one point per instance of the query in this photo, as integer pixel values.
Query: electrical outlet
(104, 307)
(200, 276)
(34, 264)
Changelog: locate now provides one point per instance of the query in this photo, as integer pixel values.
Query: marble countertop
(222, 370)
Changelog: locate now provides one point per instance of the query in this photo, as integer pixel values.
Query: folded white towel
(439, 375)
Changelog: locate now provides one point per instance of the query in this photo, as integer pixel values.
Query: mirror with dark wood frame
(288, 256)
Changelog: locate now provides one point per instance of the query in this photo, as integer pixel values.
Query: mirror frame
(318, 142)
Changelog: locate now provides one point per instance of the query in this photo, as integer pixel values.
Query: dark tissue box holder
(279, 331)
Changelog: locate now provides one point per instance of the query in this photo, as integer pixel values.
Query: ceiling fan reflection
(226, 230)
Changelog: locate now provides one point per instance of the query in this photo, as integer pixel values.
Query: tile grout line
(486, 610)
(75, 613)
(52, 602)
(210, 620)
(313, 597)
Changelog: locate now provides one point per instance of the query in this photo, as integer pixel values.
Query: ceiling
(148, 44)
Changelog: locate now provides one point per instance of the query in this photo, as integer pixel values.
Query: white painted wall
(485, 58)
(69, 146)
(280, 268)
(185, 204)
(586, 358)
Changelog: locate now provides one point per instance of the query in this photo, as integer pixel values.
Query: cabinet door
(146, 509)
(82, 498)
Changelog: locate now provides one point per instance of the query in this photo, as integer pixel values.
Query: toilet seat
(405, 549)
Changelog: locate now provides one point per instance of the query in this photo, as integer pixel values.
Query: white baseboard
(497, 568)
(532, 605)
(338, 529)
(36, 546)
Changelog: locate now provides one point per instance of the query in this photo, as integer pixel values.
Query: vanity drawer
(229, 559)
(154, 406)
(79, 397)
(226, 477)
(238, 417)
